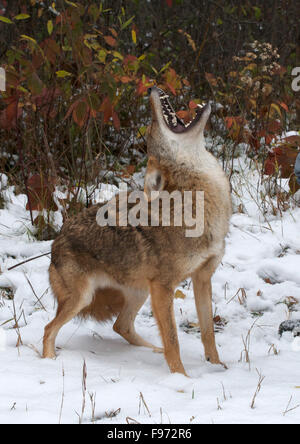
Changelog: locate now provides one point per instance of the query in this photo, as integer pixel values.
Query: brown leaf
(81, 113)
(293, 184)
(10, 114)
(40, 194)
(179, 295)
(283, 157)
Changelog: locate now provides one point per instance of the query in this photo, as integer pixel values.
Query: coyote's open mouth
(174, 123)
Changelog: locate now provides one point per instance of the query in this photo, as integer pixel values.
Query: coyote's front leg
(162, 304)
(203, 299)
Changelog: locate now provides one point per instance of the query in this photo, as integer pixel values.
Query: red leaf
(129, 58)
(142, 87)
(283, 158)
(171, 88)
(110, 40)
(116, 120)
(269, 167)
(81, 113)
(268, 139)
(193, 105)
(107, 109)
(169, 3)
(185, 116)
(229, 122)
(125, 79)
(211, 79)
(10, 114)
(114, 32)
(284, 106)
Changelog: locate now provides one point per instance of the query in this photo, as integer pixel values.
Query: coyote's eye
(172, 120)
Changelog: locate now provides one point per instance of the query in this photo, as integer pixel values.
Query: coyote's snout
(109, 271)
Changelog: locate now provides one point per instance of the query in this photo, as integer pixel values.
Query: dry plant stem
(62, 396)
(246, 343)
(130, 420)
(16, 326)
(84, 377)
(93, 406)
(142, 401)
(287, 410)
(33, 291)
(261, 379)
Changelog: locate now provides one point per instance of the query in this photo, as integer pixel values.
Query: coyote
(102, 272)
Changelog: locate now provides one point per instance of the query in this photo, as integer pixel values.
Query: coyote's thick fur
(104, 272)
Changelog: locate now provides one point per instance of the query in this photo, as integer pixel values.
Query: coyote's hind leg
(71, 300)
(124, 324)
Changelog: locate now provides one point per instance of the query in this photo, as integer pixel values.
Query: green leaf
(29, 39)
(164, 68)
(22, 17)
(34, 83)
(24, 90)
(62, 74)
(50, 27)
(127, 23)
(5, 20)
(142, 131)
(257, 12)
(71, 4)
(102, 55)
(118, 55)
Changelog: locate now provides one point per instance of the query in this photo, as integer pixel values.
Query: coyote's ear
(154, 180)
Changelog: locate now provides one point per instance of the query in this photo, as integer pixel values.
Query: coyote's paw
(217, 362)
(49, 355)
(158, 350)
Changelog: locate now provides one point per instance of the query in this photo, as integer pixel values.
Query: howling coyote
(106, 271)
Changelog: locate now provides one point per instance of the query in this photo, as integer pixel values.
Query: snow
(251, 290)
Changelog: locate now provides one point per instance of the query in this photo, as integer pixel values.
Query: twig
(287, 410)
(142, 401)
(33, 291)
(62, 396)
(261, 378)
(84, 376)
(133, 421)
(28, 260)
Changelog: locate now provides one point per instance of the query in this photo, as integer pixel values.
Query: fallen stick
(28, 260)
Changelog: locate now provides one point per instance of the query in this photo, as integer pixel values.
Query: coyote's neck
(187, 171)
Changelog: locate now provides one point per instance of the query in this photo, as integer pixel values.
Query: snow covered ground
(254, 290)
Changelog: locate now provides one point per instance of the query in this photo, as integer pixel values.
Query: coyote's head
(169, 137)
(173, 144)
